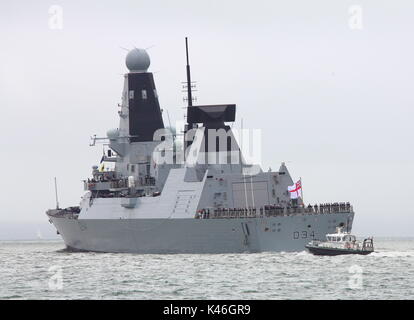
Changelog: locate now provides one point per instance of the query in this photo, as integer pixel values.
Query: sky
(329, 83)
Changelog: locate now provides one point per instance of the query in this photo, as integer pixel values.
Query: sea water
(45, 270)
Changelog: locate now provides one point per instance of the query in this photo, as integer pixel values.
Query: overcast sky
(329, 83)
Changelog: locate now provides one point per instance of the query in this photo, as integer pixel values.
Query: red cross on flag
(295, 190)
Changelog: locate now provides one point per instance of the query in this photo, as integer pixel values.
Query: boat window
(144, 94)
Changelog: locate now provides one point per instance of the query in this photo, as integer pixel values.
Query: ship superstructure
(199, 195)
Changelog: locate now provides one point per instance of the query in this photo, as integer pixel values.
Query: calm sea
(43, 270)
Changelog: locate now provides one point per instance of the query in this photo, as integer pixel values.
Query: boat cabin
(344, 237)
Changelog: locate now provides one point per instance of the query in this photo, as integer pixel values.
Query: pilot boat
(340, 242)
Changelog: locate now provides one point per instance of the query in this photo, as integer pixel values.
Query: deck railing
(272, 211)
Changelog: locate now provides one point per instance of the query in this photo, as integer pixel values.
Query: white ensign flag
(295, 190)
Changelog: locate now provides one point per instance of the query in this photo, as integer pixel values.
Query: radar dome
(137, 60)
(112, 134)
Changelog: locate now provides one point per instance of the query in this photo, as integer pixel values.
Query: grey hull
(334, 251)
(282, 233)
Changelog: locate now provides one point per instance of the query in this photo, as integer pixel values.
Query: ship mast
(189, 93)
(56, 194)
(189, 125)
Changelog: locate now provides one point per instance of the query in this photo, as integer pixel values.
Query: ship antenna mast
(189, 93)
(56, 194)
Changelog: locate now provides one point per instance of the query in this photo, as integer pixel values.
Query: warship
(160, 190)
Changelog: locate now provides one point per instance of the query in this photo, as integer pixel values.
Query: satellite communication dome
(112, 134)
(137, 60)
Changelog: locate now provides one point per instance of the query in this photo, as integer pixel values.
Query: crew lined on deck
(273, 210)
